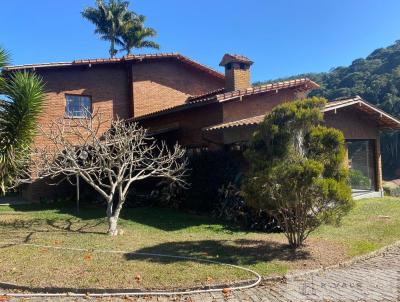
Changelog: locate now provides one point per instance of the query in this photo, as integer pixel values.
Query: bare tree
(109, 162)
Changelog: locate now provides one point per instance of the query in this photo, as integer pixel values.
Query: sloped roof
(255, 120)
(385, 120)
(137, 58)
(229, 58)
(216, 95)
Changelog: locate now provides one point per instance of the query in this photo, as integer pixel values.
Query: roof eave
(391, 122)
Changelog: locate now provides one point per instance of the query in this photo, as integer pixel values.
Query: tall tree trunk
(112, 48)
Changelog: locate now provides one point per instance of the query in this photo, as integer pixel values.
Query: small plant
(232, 208)
(358, 180)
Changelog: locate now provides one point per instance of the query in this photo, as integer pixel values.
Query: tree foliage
(109, 19)
(376, 78)
(134, 35)
(23, 96)
(296, 169)
(117, 24)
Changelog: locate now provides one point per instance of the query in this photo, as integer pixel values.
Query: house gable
(159, 85)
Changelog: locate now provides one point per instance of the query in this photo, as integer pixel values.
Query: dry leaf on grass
(88, 257)
(138, 278)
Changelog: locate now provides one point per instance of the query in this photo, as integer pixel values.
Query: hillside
(376, 78)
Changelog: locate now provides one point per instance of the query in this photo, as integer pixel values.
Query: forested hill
(375, 78)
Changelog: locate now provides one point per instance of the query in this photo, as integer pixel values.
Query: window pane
(77, 106)
(361, 165)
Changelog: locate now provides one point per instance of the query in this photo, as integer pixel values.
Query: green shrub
(391, 189)
(358, 180)
(297, 171)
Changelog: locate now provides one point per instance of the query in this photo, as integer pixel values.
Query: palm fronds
(4, 57)
(115, 23)
(109, 19)
(18, 123)
(134, 35)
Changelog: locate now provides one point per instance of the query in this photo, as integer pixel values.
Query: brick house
(181, 100)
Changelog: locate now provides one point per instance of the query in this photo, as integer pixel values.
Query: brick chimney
(237, 72)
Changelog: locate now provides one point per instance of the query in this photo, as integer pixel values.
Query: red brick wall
(255, 105)
(107, 85)
(109, 90)
(190, 124)
(112, 87)
(163, 84)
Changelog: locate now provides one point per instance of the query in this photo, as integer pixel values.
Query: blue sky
(283, 38)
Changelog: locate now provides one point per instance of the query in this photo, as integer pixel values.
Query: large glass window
(361, 164)
(78, 106)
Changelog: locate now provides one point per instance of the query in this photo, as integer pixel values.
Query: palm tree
(134, 35)
(23, 96)
(109, 19)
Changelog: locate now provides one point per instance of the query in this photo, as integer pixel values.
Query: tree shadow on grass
(161, 218)
(27, 228)
(240, 252)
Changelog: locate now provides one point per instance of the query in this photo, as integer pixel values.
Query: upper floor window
(78, 106)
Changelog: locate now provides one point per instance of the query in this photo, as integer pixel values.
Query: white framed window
(78, 106)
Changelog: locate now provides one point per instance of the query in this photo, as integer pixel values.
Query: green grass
(370, 225)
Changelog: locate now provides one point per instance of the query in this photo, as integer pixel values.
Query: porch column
(378, 164)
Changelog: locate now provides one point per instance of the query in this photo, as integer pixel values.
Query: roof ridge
(266, 87)
(342, 98)
(177, 55)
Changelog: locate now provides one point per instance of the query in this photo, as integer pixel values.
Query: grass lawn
(371, 224)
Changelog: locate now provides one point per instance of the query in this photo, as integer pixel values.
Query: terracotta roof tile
(208, 94)
(138, 57)
(228, 58)
(307, 83)
(255, 120)
(214, 97)
(343, 101)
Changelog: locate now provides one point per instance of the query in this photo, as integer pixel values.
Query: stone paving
(374, 279)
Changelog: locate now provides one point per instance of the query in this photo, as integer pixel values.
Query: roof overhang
(383, 119)
(247, 122)
(153, 131)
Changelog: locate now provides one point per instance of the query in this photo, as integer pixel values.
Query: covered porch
(361, 124)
